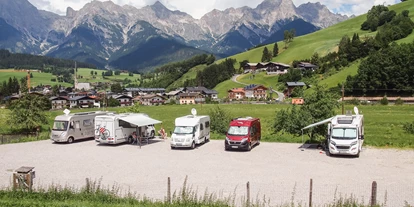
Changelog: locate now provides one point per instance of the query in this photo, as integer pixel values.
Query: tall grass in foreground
(93, 194)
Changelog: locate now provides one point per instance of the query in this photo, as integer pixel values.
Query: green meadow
(38, 78)
(89, 78)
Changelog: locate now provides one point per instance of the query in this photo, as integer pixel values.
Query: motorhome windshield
(238, 130)
(60, 126)
(184, 130)
(344, 133)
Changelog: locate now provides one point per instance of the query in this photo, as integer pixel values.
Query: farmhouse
(236, 94)
(307, 66)
(255, 91)
(151, 100)
(59, 102)
(191, 98)
(291, 86)
(124, 100)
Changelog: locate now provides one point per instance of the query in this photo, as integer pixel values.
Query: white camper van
(190, 130)
(119, 128)
(71, 127)
(345, 134)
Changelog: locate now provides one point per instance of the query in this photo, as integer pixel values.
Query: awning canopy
(140, 120)
(318, 123)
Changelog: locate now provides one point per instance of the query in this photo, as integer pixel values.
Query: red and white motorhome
(243, 133)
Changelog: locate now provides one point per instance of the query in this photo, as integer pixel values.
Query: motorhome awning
(140, 120)
(318, 123)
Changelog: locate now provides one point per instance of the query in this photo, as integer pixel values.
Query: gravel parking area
(279, 171)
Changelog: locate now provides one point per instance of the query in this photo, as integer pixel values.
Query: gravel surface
(280, 172)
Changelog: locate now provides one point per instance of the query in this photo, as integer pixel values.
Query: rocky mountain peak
(70, 12)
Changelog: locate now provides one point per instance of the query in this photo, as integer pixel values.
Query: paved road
(273, 169)
(281, 96)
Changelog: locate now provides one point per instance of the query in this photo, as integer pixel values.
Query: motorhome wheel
(172, 147)
(152, 135)
(130, 140)
(193, 145)
(70, 140)
(249, 146)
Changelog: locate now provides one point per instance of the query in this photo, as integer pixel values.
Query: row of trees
(215, 74)
(389, 71)
(9, 87)
(17, 60)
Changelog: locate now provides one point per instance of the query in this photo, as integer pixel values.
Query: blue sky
(197, 8)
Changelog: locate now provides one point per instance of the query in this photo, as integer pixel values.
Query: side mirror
(361, 137)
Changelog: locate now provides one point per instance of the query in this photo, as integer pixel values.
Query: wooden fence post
(310, 192)
(374, 194)
(169, 190)
(248, 194)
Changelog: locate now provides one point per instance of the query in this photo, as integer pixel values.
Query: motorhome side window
(201, 127)
(207, 124)
(77, 124)
(87, 122)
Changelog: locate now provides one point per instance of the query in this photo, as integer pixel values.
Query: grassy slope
(191, 74)
(334, 80)
(224, 86)
(87, 77)
(259, 78)
(38, 78)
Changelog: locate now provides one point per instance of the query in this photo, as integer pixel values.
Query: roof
(251, 64)
(122, 96)
(237, 90)
(199, 89)
(150, 96)
(58, 98)
(174, 93)
(307, 65)
(210, 91)
(295, 84)
(281, 64)
(189, 94)
(76, 98)
(145, 89)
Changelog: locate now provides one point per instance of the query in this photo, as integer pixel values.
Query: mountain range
(113, 36)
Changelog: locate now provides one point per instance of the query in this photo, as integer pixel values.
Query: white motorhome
(345, 134)
(190, 130)
(71, 127)
(119, 128)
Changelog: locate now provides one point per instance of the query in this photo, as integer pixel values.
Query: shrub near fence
(17, 138)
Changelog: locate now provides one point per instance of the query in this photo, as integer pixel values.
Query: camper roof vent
(345, 120)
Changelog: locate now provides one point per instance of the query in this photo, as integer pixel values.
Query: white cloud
(199, 8)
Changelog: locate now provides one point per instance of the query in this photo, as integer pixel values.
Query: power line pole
(343, 94)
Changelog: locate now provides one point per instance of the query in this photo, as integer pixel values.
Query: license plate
(234, 147)
(179, 144)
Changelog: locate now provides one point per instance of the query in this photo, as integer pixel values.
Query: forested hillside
(27, 61)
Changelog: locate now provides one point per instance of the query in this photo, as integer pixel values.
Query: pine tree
(265, 56)
(275, 50)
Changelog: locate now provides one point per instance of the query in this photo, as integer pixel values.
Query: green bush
(399, 101)
(409, 127)
(384, 101)
(219, 119)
